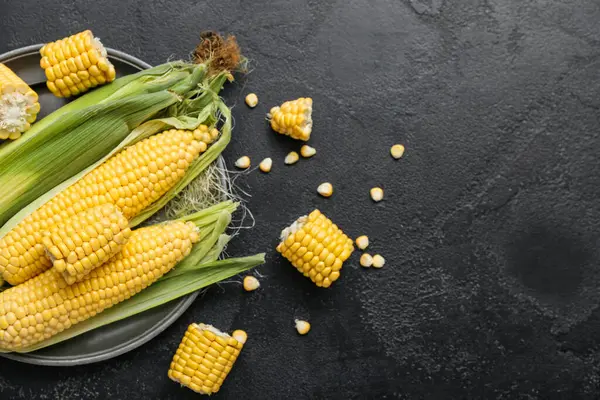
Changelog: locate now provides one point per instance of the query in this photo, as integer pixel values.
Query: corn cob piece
(205, 357)
(131, 180)
(293, 118)
(75, 64)
(47, 305)
(19, 105)
(86, 241)
(316, 247)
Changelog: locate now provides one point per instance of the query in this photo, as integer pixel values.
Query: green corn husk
(86, 130)
(198, 270)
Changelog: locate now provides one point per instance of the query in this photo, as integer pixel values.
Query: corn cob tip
(222, 54)
(293, 118)
(19, 105)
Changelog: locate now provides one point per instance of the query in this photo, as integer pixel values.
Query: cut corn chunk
(251, 283)
(302, 326)
(266, 164)
(86, 241)
(240, 335)
(132, 180)
(378, 261)
(306, 151)
(362, 242)
(325, 189)
(45, 305)
(19, 105)
(377, 194)
(293, 118)
(75, 64)
(366, 260)
(205, 357)
(397, 151)
(316, 247)
(252, 100)
(243, 162)
(291, 158)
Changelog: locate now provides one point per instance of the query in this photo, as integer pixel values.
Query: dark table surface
(489, 224)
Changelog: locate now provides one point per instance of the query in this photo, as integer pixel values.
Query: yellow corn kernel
(266, 164)
(243, 162)
(306, 151)
(376, 194)
(251, 283)
(366, 260)
(397, 151)
(116, 181)
(302, 326)
(205, 357)
(362, 242)
(293, 118)
(291, 158)
(378, 261)
(325, 189)
(19, 105)
(57, 306)
(316, 247)
(252, 100)
(80, 54)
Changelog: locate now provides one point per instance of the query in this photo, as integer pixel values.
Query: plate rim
(184, 302)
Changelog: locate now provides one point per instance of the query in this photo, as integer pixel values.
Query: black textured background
(489, 224)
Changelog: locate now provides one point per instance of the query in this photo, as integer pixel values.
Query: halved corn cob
(19, 104)
(86, 241)
(46, 305)
(316, 247)
(293, 118)
(205, 357)
(75, 64)
(132, 180)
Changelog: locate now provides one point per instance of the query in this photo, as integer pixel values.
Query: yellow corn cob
(293, 118)
(47, 305)
(205, 357)
(132, 180)
(316, 247)
(19, 105)
(75, 64)
(86, 241)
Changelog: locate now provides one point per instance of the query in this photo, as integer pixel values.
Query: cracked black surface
(490, 221)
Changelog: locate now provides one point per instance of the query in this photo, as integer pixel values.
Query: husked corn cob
(131, 180)
(46, 305)
(293, 118)
(86, 241)
(316, 247)
(205, 357)
(19, 105)
(75, 64)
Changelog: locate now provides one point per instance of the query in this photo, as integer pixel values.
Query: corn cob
(293, 118)
(19, 105)
(47, 305)
(75, 64)
(316, 247)
(86, 241)
(205, 357)
(132, 180)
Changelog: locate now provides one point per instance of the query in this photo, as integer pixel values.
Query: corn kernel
(366, 260)
(252, 100)
(377, 194)
(240, 336)
(243, 162)
(266, 164)
(362, 242)
(291, 158)
(251, 283)
(306, 151)
(302, 326)
(397, 151)
(378, 261)
(325, 189)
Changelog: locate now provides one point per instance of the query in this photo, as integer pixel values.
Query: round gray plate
(122, 336)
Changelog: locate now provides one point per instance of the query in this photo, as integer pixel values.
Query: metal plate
(122, 336)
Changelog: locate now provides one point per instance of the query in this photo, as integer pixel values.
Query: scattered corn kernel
(325, 189)
(252, 100)
(266, 164)
(243, 162)
(240, 335)
(397, 151)
(362, 242)
(378, 261)
(302, 326)
(377, 194)
(366, 260)
(293, 118)
(292, 158)
(251, 283)
(307, 151)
